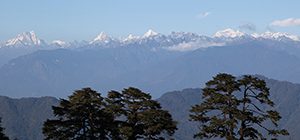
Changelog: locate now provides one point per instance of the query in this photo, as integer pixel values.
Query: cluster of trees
(232, 108)
(128, 115)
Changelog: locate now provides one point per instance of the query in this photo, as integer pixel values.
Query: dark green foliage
(129, 115)
(236, 109)
(81, 117)
(140, 117)
(255, 92)
(2, 135)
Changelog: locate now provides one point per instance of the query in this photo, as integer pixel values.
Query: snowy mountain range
(176, 41)
(154, 62)
(28, 39)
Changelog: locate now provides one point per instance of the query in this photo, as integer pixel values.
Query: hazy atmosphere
(149, 70)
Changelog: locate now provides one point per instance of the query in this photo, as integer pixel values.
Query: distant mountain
(57, 72)
(277, 36)
(26, 39)
(153, 61)
(22, 44)
(150, 38)
(178, 103)
(60, 44)
(7, 54)
(23, 118)
(229, 33)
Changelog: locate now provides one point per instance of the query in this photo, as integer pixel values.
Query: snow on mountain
(25, 39)
(150, 33)
(60, 43)
(229, 33)
(185, 41)
(184, 36)
(176, 40)
(190, 46)
(130, 38)
(101, 38)
(276, 36)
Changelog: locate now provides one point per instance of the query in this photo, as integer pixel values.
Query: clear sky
(83, 19)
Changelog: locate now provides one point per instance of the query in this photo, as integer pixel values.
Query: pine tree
(218, 109)
(255, 93)
(82, 117)
(2, 135)
(235, 109)
(139, 116)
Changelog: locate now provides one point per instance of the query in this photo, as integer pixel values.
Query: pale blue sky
(84, 19)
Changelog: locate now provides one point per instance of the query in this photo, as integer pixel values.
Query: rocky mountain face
(23, 118)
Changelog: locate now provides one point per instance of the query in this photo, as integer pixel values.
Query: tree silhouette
(139, 116)
(236, 109)
(82, 117)
(2, 135)
(255, 93)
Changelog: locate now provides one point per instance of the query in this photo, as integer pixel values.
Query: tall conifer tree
(236, 109)
(82, 117)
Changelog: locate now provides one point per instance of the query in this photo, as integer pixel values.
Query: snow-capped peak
(131, 37)
(229, 33)
(102, 37)
(276, 35)
(60, 43)
(26, 38)
(150, 33)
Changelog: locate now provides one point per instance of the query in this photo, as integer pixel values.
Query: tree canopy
(236, 109)
(128, 115)
(83, 117)
(140, 117)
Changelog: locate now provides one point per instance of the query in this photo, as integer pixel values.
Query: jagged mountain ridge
(155, 62)
(29, 39)
(29, 42)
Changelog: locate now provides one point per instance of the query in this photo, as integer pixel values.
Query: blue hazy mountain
(154, 62)
(57, 72)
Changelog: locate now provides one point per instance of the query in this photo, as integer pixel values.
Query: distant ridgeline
(154, 62)
(23, 118)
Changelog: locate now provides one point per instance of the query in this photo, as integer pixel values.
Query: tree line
(231, 108)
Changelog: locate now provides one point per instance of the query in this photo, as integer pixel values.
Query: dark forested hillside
(23, 118)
